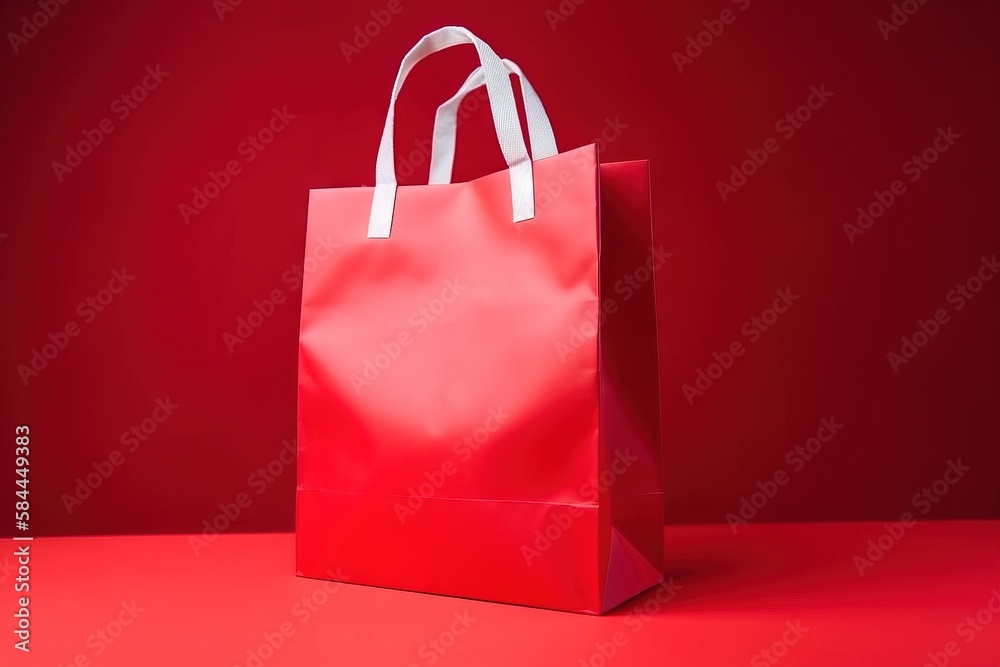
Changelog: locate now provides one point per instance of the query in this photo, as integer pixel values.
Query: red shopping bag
(478, 408)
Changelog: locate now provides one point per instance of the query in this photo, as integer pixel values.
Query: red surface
(438, 416)
(606, 72)
(733, 597)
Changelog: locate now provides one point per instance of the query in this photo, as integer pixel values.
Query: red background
(162, 336)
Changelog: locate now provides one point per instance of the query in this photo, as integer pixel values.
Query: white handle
(505, 120)
(543, 140)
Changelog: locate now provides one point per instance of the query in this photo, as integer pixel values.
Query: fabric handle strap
(505, 120)
(543, 140)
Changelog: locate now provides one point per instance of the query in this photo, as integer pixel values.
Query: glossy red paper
(458, 432)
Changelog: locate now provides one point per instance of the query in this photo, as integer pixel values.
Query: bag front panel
(445, 389)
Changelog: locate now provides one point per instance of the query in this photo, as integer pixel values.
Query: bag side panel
(630, 439)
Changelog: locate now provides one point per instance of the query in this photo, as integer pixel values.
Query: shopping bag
(478, 402)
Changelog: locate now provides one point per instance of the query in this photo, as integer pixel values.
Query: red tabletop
(788, 594)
